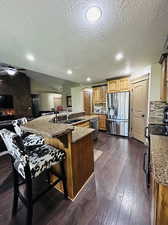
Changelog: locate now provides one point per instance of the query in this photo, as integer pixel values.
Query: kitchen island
(159, 179)
(77, 142)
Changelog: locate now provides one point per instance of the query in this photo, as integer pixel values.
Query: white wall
(155, 82)
(77, 99)
(49, 101)
(41, 88)
(141, 72)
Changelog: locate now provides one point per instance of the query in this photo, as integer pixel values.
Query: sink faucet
(67, 114)
(56, 117)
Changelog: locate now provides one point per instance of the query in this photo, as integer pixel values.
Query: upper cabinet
(118, 85)
(99, 94)
(164, 79)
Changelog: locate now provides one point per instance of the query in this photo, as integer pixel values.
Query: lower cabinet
(159, 203)
(102, 122)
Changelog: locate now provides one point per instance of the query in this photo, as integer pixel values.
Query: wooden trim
(117, 78)
(139, 79)
(99, 85)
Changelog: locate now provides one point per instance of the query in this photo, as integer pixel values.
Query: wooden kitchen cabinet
(102, 122)
(118, 85)
(99, 94)
(159, 203)
(84, 124)
(164, 79)
(113, 86)
(87, 103)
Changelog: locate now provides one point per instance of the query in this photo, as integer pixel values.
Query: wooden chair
(29, 164)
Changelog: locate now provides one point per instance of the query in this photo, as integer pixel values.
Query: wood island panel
(79, 163)
(82, 161)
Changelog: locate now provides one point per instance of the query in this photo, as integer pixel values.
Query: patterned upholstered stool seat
(29, 140)
(32, 140)
(42, 158)
(39, 158)
(30, 163)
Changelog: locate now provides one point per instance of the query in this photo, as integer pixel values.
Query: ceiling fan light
(11, 72)
(93, 14)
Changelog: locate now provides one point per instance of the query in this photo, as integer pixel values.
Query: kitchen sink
(73, 121)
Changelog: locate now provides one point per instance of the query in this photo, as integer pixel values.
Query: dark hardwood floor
(115, 195)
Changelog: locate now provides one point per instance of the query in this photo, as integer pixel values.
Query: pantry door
(139, 109)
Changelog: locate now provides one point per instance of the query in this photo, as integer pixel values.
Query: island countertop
(159, 158)
(44, 127)
(80, 132)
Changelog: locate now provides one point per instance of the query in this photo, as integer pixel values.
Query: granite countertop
(80, 132)
(83, 119)
(159, 158)
(43, 127)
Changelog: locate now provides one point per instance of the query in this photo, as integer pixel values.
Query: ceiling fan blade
(21, 69)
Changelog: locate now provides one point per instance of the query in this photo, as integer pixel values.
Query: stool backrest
(16, 149)
(17, 123)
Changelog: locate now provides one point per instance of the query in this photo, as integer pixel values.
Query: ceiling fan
(6, 69)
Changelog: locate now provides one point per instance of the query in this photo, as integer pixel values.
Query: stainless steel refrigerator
(118, 113)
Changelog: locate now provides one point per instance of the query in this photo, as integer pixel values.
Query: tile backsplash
(156, 111)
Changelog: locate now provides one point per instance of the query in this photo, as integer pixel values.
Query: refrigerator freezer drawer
(118, 127)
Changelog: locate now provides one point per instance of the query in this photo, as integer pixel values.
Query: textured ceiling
(59, 36)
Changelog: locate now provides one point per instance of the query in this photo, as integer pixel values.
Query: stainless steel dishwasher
(95, 125)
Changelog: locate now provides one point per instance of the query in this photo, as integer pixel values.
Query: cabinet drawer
(84, 124)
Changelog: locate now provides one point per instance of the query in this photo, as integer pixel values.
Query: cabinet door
(87, 101)
(118, 85)
(113, 86)
(102, 122)
(124, 84)
(99, 95)
(166, 68)
(104, 92)
(95, 95)
(163, 87)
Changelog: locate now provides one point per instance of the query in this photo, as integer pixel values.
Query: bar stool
(29, 165)
(28, 139)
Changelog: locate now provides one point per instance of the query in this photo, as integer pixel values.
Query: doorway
(139, 108)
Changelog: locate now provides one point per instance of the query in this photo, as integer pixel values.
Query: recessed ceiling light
(93, 14)
(119, 56)
(69, 72)
(30, 57)
(11, 72)
(88, 79)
